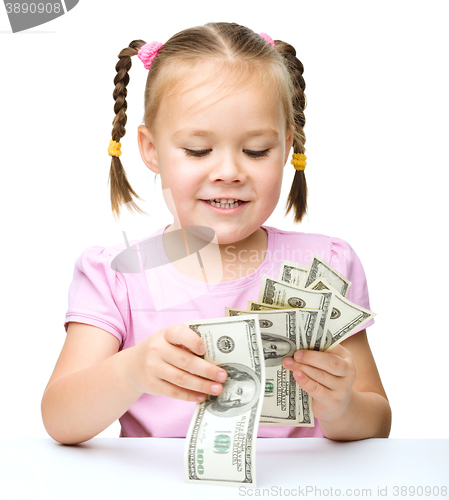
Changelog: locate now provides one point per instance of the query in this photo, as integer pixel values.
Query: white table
(144, 468)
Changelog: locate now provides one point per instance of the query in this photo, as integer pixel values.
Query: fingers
(183, 368)
(317, 372)
(330, 362)
(314, 388)
(164, 388)
(305, 374)
(187, 361)
(180, 334)
(185, 380)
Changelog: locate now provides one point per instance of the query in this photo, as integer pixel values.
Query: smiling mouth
(220, 204)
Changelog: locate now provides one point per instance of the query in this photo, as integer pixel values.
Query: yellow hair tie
(299, 161)
(114, 148)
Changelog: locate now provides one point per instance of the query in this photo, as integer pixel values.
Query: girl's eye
(256, 154)
(198, 153)
(203, 152)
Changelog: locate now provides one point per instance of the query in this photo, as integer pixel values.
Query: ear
(147, 148)
(288, 144)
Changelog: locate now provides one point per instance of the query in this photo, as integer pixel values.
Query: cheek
(272, 183)
(182, 185)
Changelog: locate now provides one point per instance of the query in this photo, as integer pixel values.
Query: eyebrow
(192, 132)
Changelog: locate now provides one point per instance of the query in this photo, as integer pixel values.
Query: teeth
(224, 203)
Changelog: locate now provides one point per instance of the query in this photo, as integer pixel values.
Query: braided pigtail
(121, 191)
(297, 197)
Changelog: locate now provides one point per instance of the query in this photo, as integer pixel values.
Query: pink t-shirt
(133, 305)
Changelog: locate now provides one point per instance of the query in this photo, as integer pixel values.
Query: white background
(377, 135)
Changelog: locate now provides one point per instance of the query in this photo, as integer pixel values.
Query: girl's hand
(167, 364)
(328, 377)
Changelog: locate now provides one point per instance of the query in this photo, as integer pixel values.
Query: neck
(196, 253)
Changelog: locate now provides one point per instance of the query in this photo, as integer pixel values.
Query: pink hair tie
(268, 39)
(148, 52)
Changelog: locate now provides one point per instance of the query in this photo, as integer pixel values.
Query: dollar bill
(320, 284)
(310, 319)
(285, 403)
(279, 293)
(293, 273)
(320, 268)
(344, 319)
(221, 440)
(259, 306)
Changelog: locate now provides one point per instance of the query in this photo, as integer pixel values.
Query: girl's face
(209, 143)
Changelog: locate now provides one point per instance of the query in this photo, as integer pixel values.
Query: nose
(227, 169)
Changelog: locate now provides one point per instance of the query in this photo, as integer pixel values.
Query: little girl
(223, 108)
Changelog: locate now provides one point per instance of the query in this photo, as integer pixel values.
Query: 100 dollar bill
(279, 293)
(311, 319)
(293, 273)
(221, 440)
(344, 319)
(320, 268)
(284, 403)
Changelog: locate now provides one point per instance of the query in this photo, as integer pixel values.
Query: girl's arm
(349, 400)
(88, 389)
(93, 385)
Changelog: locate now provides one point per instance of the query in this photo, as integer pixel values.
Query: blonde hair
(240, 50)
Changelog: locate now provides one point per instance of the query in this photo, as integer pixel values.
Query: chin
(226, 237)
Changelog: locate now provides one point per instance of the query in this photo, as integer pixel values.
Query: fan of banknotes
(304, 308)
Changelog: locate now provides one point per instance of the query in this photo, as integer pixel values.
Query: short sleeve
(97, 296)
(345, 260)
